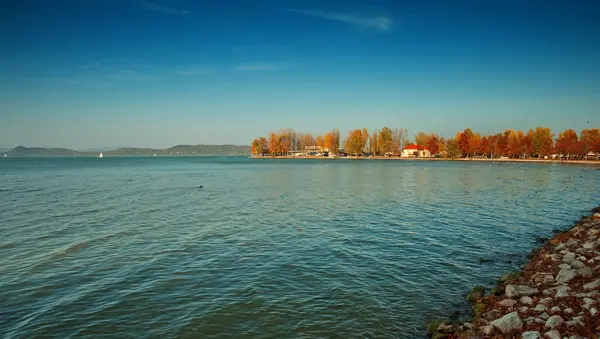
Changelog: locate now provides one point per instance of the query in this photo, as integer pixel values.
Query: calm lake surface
(131, 247)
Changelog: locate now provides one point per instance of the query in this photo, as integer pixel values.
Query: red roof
(415, 147)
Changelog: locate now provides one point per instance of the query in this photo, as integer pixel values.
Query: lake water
(131, 247)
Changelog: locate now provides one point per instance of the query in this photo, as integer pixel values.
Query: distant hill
(179, 150)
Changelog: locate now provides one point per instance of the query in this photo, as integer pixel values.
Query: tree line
(539, 142)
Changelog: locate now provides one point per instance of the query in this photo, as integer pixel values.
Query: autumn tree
(567, 143)
(484, 146)
(385, 140)
(273, 144)
(433, 144)
(365, 137)
(355, 142)
(465, 142)
(255, 147)
(527, 144)
(453, 149)
(373, 143)
(305, 141)
(590, 141)
(397, 137)
(543, 143)
(422, 139)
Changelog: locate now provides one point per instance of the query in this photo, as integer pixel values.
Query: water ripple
(267, 249)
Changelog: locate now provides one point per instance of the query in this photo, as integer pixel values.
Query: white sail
(100, 156)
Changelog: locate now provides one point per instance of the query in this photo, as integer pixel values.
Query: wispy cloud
(195, 71)
(258, 67)
(152, 6)
(380, 22)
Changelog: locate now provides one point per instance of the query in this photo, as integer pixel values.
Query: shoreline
(547, 161)
(555, 295)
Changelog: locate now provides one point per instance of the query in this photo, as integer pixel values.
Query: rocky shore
(555, 296)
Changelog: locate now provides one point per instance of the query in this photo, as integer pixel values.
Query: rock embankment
(556, 295)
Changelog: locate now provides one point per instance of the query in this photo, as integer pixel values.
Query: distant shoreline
(549, 161)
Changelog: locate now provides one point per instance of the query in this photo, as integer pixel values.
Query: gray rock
(564, 266)
(468, 325)
(509, 303)
(554, 334)
(592, 285)
(555, 309)
(562, 292)
(589, 245)
(554, 321)
(540, 308)
(547, 292)
(559, 247)
(575, 264)
(526, 300)
(569, 310)
(523, 309)
(572, 242)
(593, 311)
(591, 261)
(582, 258)
(570, 256)
(589, 301)
(531, 335)
(579, 250)
(544, 316)
(584, 272)
(488, 330)
(546, 301)
(576, 321)
(576, 337)
(516, 291)
(565, 275)
(446, 328)
(508, 323)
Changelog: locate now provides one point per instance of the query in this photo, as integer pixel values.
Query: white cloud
(381, 23)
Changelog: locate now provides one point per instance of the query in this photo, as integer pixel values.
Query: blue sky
(103, 73)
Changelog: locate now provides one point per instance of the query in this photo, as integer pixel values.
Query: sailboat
(100, 156)
(5, 155)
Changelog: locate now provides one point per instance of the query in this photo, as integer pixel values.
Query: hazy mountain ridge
(178, 150)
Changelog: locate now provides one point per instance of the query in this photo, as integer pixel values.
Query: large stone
(570, 256)
(589, 245)
(568, 310)
(508, 323)
(555, 309)
(488, 330)
(592, 285)
(544, 316)
(565, 275)
(562, 292)
(584, 272)
(575, 264)
(531, 335)
(554, 334)
(540, 308)
(526, 300)
(593, 311)
(517, 291)
(554, 321)
(523, 309)
(546, 301)
(576, 321)
(564, 266)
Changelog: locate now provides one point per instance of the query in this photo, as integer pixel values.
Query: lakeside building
(415, 151)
